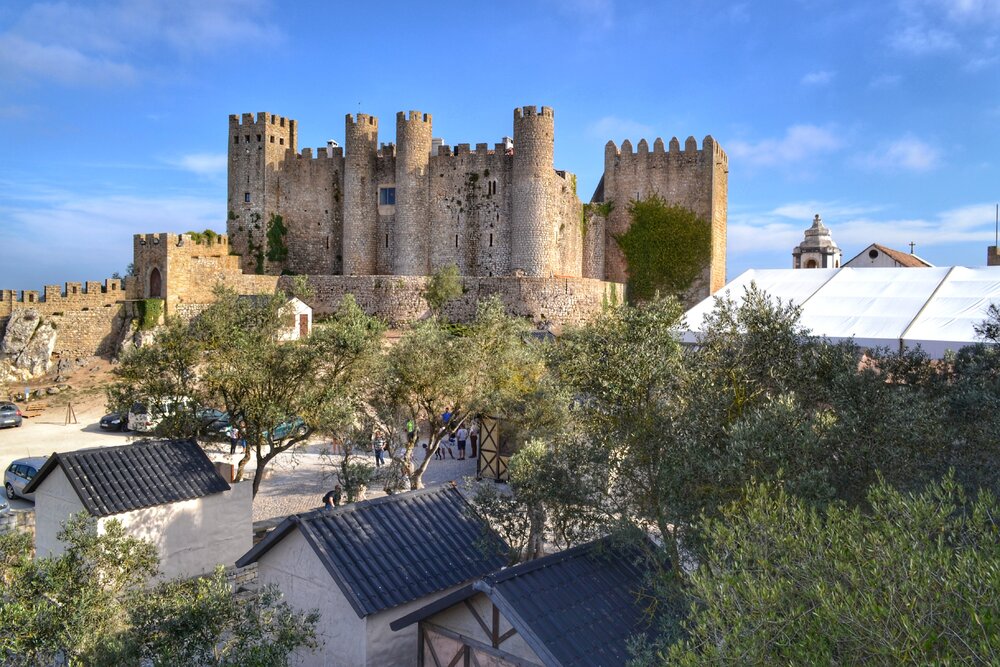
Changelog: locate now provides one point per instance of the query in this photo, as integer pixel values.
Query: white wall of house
(295, 309)
(55, 501)
(192, 537)
(294, 567)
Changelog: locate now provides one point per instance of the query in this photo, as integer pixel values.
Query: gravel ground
(296, 481)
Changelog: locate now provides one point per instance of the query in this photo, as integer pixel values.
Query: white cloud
(57, 235)
(922, 40)
(202, 164)
(612, 128)
(854, 226)
(820, 78)
(108, 42)
(800, 143)
(905, 154)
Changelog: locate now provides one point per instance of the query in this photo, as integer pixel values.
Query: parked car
(4, 507)
(208, 416)
(218, 428)
(144, 416)
(19, 473)
(10, 415)
(295, 426)
(114, 421)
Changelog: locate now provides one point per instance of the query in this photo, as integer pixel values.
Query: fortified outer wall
(399, 299)
(88, 316)
(693, 178)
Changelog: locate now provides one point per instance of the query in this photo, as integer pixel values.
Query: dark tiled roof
(576, 607)
(112, 480)
(391, 550)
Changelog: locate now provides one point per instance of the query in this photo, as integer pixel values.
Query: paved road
(296, 483)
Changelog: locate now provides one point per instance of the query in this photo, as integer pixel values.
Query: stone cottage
(166, 491)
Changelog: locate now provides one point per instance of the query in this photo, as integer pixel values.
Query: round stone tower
(360, 197)
(413, 151)
(532, 237)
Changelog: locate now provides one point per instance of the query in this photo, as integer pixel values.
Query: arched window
(155, 283)
(811, 264)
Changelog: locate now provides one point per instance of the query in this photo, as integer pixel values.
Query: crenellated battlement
(710, 150)
(531, 110)
(262, 118)
(70, 296)
(362, 119)
(414, 117)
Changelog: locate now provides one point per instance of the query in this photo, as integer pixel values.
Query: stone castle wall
(399, 299)
(692, 178)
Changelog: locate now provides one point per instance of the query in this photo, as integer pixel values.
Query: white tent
(935, 308)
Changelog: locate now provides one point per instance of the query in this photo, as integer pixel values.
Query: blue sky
(883, 117)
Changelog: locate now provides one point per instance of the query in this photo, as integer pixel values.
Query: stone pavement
(297, 480)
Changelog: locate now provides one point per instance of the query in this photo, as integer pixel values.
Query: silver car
(19, 473)
(10, 415)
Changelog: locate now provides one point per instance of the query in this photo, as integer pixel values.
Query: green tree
(666, 248)
(266, 382)
(912, 581)
(444, 285)
(98, 604)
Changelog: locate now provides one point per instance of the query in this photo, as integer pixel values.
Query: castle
(409, 208)
(375, 220)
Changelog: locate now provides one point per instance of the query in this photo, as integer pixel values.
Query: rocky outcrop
(27, 345)
(133, 337)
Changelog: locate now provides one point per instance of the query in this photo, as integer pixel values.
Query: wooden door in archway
(494, 453)
(155, 283)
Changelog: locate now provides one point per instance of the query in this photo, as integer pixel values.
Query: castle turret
(360, 196)
(257, 147)
(411, 256)
(532, 236)
(817, 250)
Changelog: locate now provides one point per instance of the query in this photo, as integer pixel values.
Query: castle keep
(410, 207)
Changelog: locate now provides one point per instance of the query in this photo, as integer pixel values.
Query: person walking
(462, 436)
(411, 429)
(474, 437)
(234, 439)
(378, 448)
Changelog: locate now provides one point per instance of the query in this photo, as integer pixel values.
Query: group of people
(459, 439)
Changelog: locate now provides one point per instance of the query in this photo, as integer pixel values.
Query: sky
(882, 117)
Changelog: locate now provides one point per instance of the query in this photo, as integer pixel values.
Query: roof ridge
(362, 505)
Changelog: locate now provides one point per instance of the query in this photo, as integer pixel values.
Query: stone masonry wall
(692, 178)
(310, 198)
(399, 299)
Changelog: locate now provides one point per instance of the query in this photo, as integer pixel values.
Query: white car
(145, 415)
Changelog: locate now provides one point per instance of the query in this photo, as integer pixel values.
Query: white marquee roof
(934, 307)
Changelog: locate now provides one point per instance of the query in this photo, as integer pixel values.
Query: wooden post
(70, 414)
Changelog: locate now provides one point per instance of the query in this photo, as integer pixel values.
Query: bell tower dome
(817, 250)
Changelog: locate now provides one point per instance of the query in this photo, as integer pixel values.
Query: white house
(368, 563)
(878, 256)
(300, 315)
(166, 492)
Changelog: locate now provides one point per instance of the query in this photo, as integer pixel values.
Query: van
(144, 416)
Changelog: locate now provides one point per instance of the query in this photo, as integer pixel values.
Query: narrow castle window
(492, 188)
(236, 139)
(387, 196)
(246, 197)
(386, 240)
(281, 141)
(491, 240)
(246, 138)
(456, 240)
(258, 138)
(272, 138)
(327, 242)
